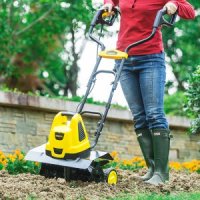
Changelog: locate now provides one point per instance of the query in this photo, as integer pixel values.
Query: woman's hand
(107, 6)
(171, 8)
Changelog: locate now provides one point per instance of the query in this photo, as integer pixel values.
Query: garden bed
(29, 186)
(19, 180)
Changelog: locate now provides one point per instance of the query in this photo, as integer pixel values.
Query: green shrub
(174, 104)
(193, 100)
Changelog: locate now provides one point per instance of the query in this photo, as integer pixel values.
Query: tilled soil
(27, 186)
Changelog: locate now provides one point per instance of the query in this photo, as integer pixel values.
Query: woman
(143, 78)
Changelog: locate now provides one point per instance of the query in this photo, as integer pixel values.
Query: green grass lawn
(180, 196)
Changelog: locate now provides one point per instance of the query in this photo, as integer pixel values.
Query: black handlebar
(160, 20)
(102, 16)
(100, 19)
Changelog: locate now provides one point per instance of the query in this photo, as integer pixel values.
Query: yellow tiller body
(67, 139)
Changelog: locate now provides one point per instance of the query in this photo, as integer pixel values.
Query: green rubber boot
(144, 138)
(161, 145)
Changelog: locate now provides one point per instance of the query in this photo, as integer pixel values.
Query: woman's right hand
(108, 7)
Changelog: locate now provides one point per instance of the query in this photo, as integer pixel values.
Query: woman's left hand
(171, 8)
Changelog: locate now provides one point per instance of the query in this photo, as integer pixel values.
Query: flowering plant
(137, 162)
(14, 163)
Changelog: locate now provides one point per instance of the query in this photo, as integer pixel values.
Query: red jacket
(137, 17)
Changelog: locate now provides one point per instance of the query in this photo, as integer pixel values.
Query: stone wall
(25, 122)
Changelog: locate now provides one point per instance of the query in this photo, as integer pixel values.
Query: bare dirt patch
(25, 186)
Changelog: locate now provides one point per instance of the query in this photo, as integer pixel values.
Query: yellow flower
(11, 157)
(136, 159)
(4, 162)
(21, 157)
(36, 163)
(114, 154)
(127, 162)
(3, 157)
(187, 165)
(142, 163)
(17, 152)
(175, 165)
(192, 166)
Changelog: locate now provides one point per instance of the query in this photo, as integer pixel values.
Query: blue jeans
(143, 80)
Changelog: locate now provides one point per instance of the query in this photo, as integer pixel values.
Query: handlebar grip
(160, 20)
(101, 15)
(107, 14)
(96, 17)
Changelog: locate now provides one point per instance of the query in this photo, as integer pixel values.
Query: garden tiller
(68, 153)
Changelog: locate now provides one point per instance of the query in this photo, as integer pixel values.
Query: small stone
(61, 180)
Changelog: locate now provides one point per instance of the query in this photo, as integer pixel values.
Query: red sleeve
(113, 2)
(185, 9)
